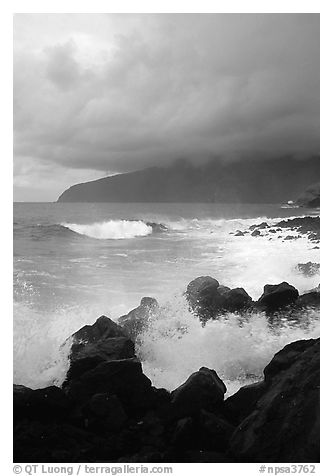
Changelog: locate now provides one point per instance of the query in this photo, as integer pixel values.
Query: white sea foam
(176, 344)
(112, 229)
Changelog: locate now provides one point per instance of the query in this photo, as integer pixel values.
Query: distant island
(250, 181)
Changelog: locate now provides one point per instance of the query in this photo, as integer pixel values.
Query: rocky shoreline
(108, 410)
(304, 226)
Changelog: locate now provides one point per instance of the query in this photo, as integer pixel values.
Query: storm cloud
(100, 94)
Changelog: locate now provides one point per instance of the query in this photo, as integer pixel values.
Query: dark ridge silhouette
(251, 181)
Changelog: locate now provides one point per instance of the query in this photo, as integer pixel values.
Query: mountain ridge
(253, 181)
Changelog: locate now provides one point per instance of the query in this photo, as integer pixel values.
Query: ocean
(76, 261)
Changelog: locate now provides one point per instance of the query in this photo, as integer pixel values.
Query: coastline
(108, 410)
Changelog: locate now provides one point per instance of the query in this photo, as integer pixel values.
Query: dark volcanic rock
(243, 402)
(202, 291)
(202, 296)
(276, 296)
(202, 390)
(104, 412)
(284, 426)
(215, 432)
(309, 268)
(233, 299)
(239, 233)
(102, 341)
(309, 226)
(43, 404)
(137, 320)
(309, 300)
(262, 226)
(256, 233)
(103, 328)
(209, 299)
(123, 378)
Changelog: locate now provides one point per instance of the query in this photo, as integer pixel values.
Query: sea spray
(237, 347)
(112, 229)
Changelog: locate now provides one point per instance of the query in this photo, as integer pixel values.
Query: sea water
(74, 262)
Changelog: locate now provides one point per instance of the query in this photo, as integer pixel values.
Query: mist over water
(75, 262)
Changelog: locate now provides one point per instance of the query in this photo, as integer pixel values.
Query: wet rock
(242, 403)
(309, 300)
(233, 299)
(202, 390)
(290, 237)
(123, 378)
(215, 432)
(137, 320)
(262, 226)
(288, 356)
(239, 233)
(202, 291)
(202, 296)
(157, 227)
(256, 233)
(103, 328)
(303, 225)
(276, 296)
(284, 426)
(185, 433)
(105, 412)
(102, 341)
(44, 404)
(308, 269)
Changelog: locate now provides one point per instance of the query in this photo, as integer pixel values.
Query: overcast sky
(98, 94)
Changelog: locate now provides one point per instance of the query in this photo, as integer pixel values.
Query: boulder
(123, 378)
(239, 233)
(202, 296)
(202, 291)
(288, 356)
(105, 412)
(185, 433)
(308, 269)
(137, 320)
(102, 341)
(233, 300)
(215, 432)
(103, 328)
(284, 425)
(256, 233)
(202, 390)
(303, 225)
(262, 226)
(239, 405)
(44, 404)
(208, 298)
(309, 300)
(276, 296)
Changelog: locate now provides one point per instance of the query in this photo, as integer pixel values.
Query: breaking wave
(112, 229)
(238, 348)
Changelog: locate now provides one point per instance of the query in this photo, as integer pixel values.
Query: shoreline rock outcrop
(108, 410)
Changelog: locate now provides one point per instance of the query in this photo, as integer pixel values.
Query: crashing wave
(113, 229)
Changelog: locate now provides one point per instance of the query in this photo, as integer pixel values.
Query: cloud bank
(99, 94)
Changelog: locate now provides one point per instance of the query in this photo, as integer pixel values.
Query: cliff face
(252, 181)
